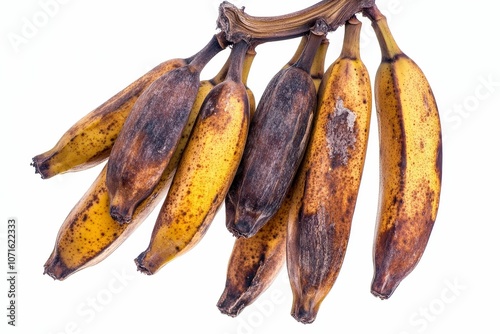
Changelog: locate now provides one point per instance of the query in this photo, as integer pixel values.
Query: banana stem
(298, 51)
(247, 64)
(316, 37)
(237, 56)
(221, 75)
(388, 45)
(216, 44)
(350, 47)
(238, 25)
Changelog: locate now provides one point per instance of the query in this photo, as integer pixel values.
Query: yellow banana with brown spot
(88, 142)
(410, 162)
(327, 184)
(205, 171)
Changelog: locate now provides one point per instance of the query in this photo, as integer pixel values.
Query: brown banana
(254, 263)
(151, 133)
(277, 140)
(327, 184)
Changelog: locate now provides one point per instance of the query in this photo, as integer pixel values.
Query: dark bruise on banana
(148, 140)
(269, 170)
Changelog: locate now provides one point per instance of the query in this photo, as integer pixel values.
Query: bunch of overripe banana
(287, 170)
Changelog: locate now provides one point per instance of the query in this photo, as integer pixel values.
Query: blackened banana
(277, 139)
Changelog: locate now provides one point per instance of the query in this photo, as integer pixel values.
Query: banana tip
(230, 304)
(305, 307)
(119, 214)
(244, 227)
(304, 317)
(56, 269)
(141, 267)
(383, 286)
(380, 295)
(229, 311)
(40, 168)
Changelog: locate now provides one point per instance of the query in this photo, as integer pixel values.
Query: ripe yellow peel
(203, 177)
(89, 234)
(80, 148)
(410, 187)
(353, 99)
(410, 162)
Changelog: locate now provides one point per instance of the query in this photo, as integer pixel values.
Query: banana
(410, 162)
(327, 184)
(256, 261)
(277, 139)
(205, 171)
(80, 242)
(151, 133)
(89, 234)
(88, 142)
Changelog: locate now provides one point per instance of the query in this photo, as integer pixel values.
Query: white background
(86, 51)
